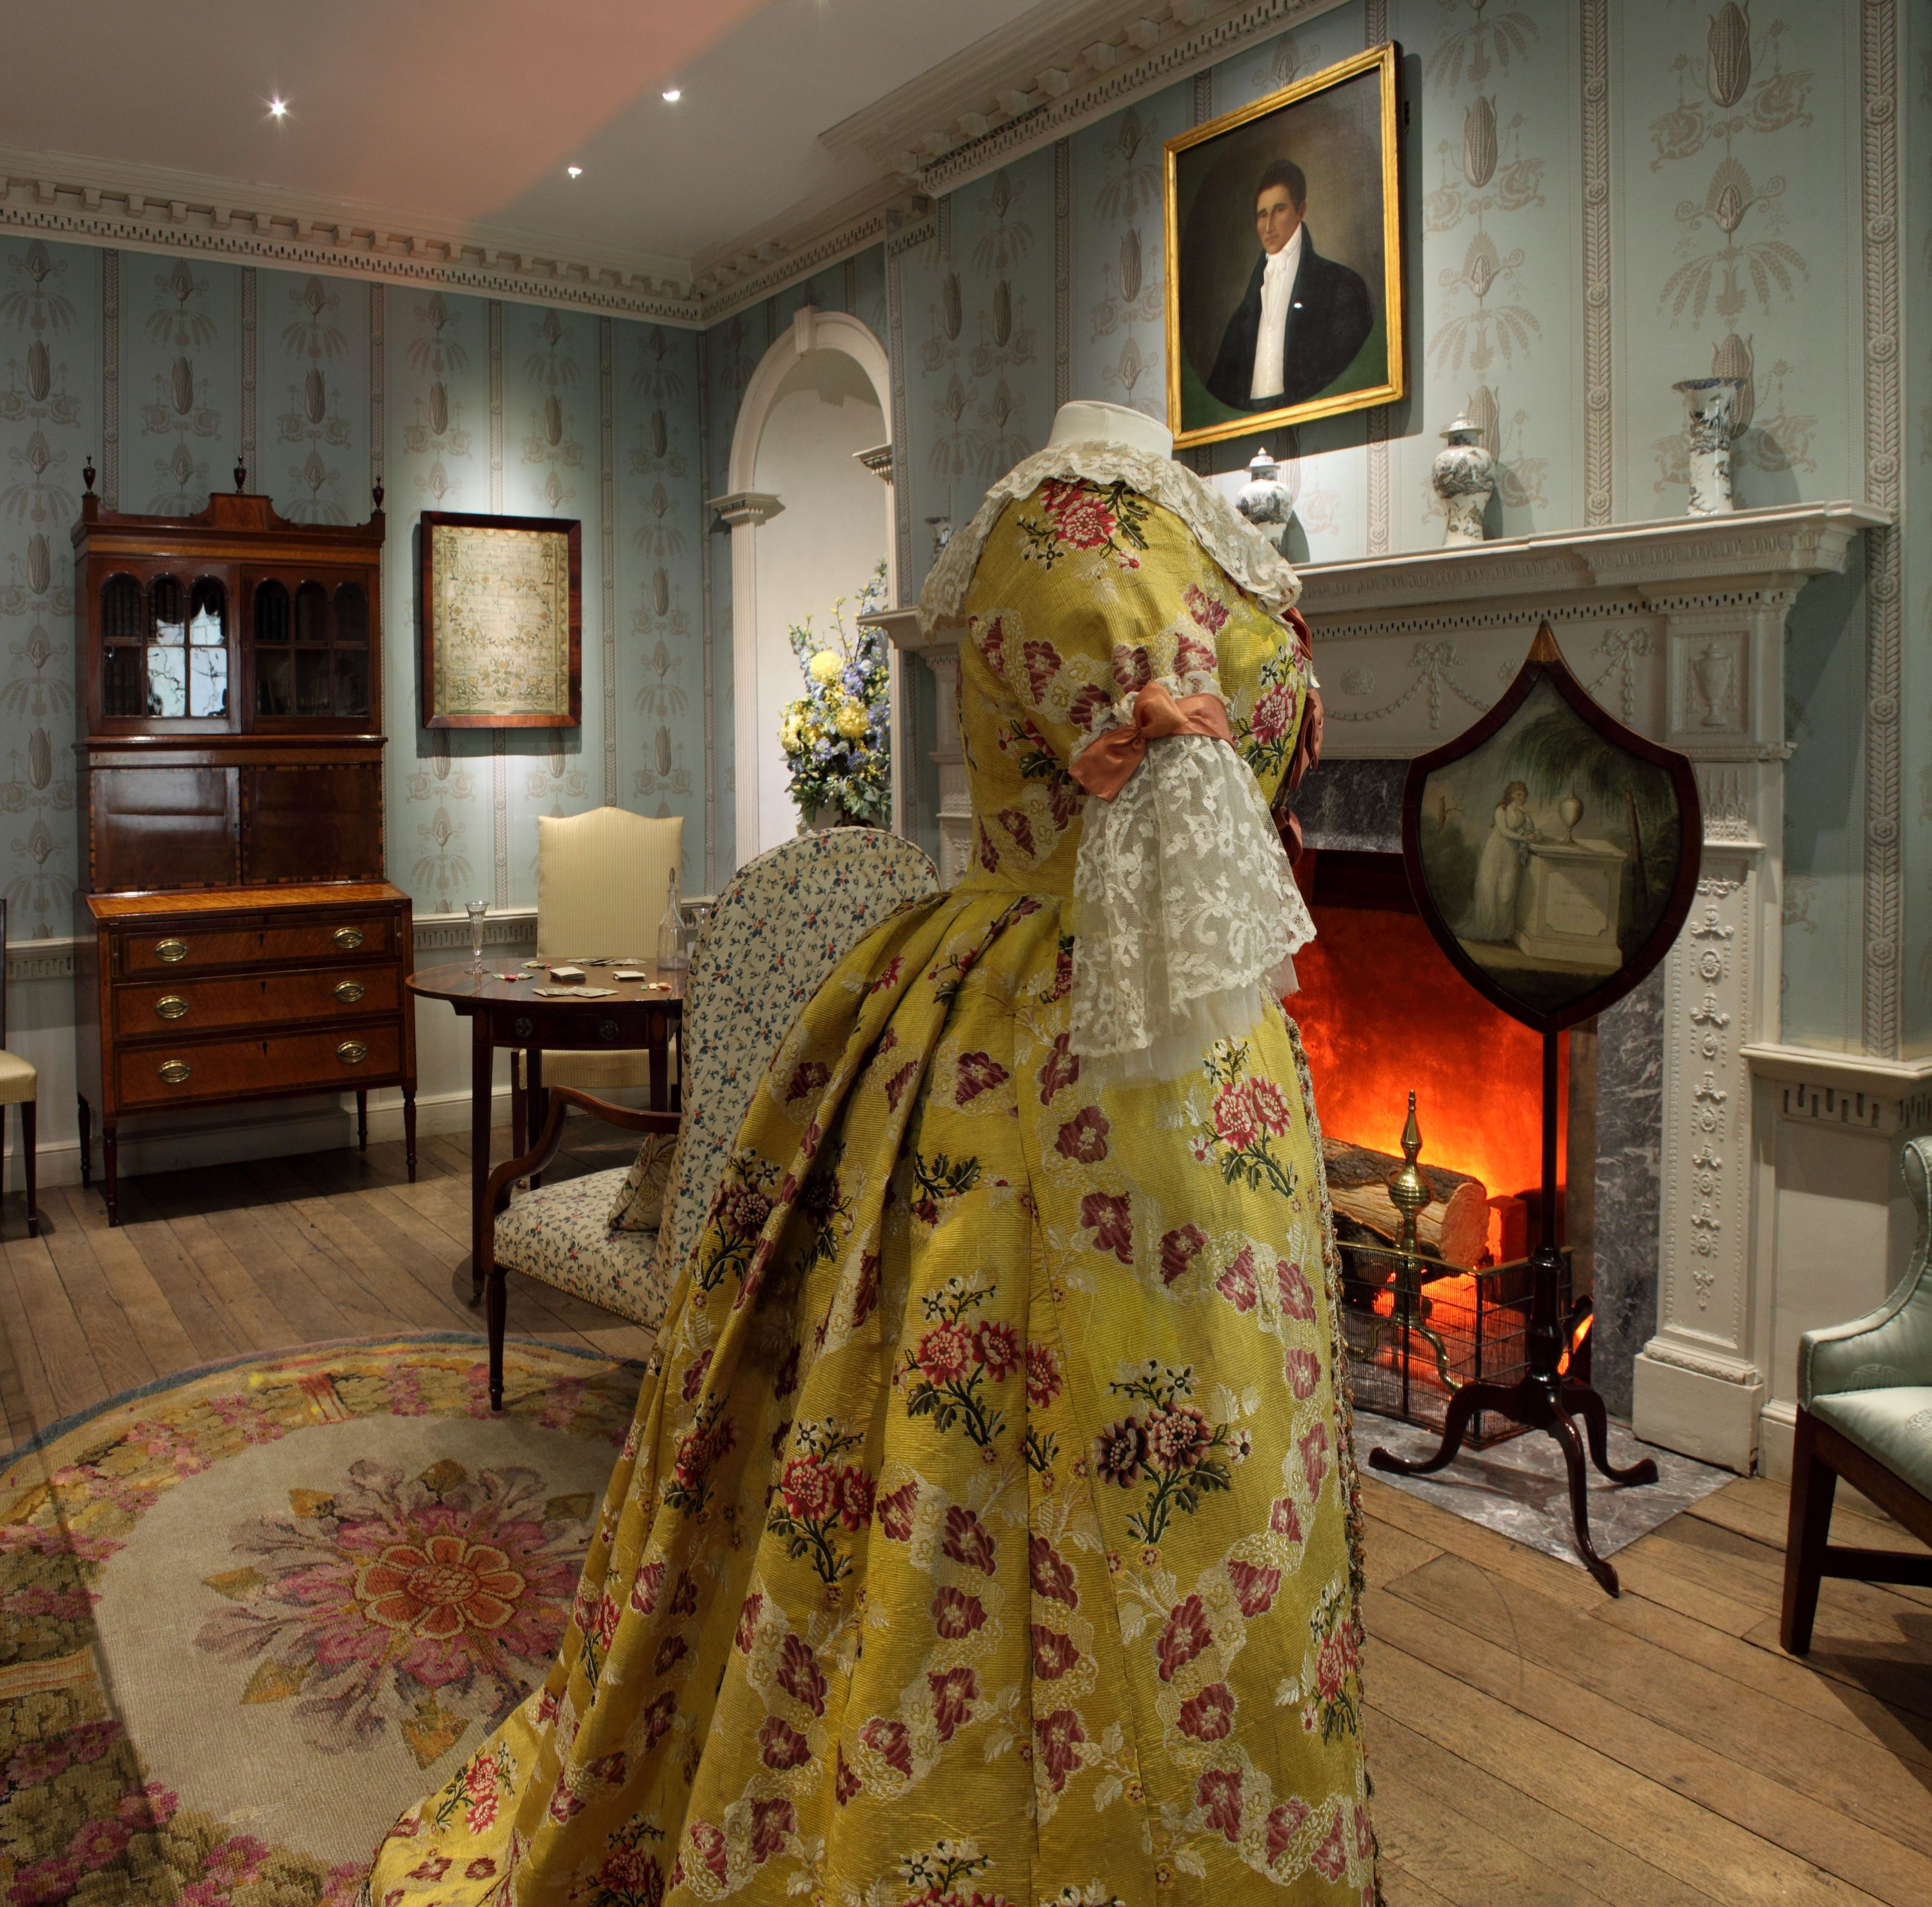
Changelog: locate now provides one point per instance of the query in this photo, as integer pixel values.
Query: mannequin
(1088, 420)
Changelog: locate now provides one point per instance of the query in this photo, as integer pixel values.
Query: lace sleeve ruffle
(1185, 909)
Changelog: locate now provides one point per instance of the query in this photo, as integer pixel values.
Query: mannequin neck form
(1093, 422)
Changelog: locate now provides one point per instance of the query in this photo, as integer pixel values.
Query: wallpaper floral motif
(49, 344)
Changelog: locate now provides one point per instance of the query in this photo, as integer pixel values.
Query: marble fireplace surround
(1713, 1249)
(1678, 627)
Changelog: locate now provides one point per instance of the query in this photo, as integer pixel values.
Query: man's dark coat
(1328, 317)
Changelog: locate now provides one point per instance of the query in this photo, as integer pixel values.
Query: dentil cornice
(59, 195)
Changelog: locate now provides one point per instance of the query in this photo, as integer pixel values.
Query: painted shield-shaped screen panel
(1551, 855)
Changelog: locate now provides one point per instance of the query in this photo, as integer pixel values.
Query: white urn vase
(1712, 403)
(1264, 499)
(1464, 474)
(1571, 807)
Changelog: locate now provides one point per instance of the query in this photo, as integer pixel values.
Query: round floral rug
(248, 1615)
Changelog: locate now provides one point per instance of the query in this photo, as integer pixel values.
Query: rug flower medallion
(249, 1615)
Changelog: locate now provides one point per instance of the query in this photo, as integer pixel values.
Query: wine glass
(476, 910)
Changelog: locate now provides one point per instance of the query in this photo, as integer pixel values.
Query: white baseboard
(271, 1132)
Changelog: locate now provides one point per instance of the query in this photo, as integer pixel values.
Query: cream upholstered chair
(783, 924)
(19, 1086)
(602, 881)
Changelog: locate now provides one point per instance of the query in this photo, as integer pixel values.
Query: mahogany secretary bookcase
(237, 938)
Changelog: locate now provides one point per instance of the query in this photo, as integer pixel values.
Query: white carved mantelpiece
(948, 755)
(1678, 627)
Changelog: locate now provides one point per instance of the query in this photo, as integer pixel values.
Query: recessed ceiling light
(673, 93)
(575, 172)
(278, 109)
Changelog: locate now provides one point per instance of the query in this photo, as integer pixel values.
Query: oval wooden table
(632, 1017)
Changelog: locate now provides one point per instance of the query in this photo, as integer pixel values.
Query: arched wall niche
(810, 519)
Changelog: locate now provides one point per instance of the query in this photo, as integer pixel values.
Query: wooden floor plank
(1809, 1686)
(205, 1330)
(1809, 1829)
(1416, 1777)
(111, 1334)
(32, 1281)
(1862, 1781)
(1646, 1818)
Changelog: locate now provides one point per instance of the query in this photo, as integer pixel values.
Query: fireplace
(1721, 1170)
(1383, 1014)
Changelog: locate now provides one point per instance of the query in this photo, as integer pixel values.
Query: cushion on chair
(18, 1081)
(1892, 1426)
(639, 1205)
(561, 1234)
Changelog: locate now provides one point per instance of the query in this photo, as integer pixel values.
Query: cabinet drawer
(194, 1006)
(341, 1058)
(190, 947)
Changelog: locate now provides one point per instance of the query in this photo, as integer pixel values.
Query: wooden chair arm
(497, 1193)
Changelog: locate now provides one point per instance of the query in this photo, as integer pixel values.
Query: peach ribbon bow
(1103, 766)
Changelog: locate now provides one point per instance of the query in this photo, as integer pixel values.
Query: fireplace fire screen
(1413, 1342)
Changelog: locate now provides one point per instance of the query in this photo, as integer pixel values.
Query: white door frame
(747, 509)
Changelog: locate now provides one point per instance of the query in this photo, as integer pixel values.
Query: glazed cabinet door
(313, 650)
(161, 645)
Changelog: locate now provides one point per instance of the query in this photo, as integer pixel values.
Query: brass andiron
(1409, 1310)
(1550, 1395)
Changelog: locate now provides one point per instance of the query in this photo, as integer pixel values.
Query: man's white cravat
(1277, 282)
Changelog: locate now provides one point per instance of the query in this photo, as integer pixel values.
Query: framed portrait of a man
(1284, 240)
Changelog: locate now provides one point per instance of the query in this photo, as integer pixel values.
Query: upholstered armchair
(601, 880)
(1864, 1413)
(783, 924)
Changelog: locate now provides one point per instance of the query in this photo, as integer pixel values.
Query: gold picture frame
(1335, 135)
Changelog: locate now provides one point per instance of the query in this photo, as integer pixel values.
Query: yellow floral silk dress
(987, 1534)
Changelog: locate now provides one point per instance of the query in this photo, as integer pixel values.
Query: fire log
(1455, 1223)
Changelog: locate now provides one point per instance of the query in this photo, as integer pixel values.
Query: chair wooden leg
(86, 1144)
(29, 1125)
(362, 1120)
(409, 1129)
(519, 1111)
(1813, 1483)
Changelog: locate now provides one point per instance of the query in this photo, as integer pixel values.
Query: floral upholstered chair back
(783, 924)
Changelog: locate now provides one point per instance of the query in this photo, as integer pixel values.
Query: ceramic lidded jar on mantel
(1712, 403)
(1264, 499)
(1464, 475)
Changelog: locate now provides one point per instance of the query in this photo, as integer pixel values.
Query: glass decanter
(670, 931)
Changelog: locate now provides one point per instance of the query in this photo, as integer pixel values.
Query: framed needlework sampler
(502, 622)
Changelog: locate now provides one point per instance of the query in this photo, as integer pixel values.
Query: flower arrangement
(835, 736)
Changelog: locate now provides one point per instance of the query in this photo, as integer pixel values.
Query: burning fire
(1382, 1011)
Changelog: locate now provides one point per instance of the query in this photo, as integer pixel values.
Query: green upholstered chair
(1864, 1413)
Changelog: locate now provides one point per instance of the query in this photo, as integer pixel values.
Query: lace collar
(1247, 557)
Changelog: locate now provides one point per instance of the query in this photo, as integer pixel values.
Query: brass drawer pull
(174, 1072)
(171, 1007)
(350, 991)
(352, 1052)
(171, 951)
(348, 938)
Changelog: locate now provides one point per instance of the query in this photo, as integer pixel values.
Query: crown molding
(152, 208)
(1103, 65)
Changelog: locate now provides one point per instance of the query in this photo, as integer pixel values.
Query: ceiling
(467, 114)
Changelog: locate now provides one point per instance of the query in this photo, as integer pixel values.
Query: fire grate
(1461, 1328)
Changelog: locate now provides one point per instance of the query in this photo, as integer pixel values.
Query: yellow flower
(827, 665)
(852, 720)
